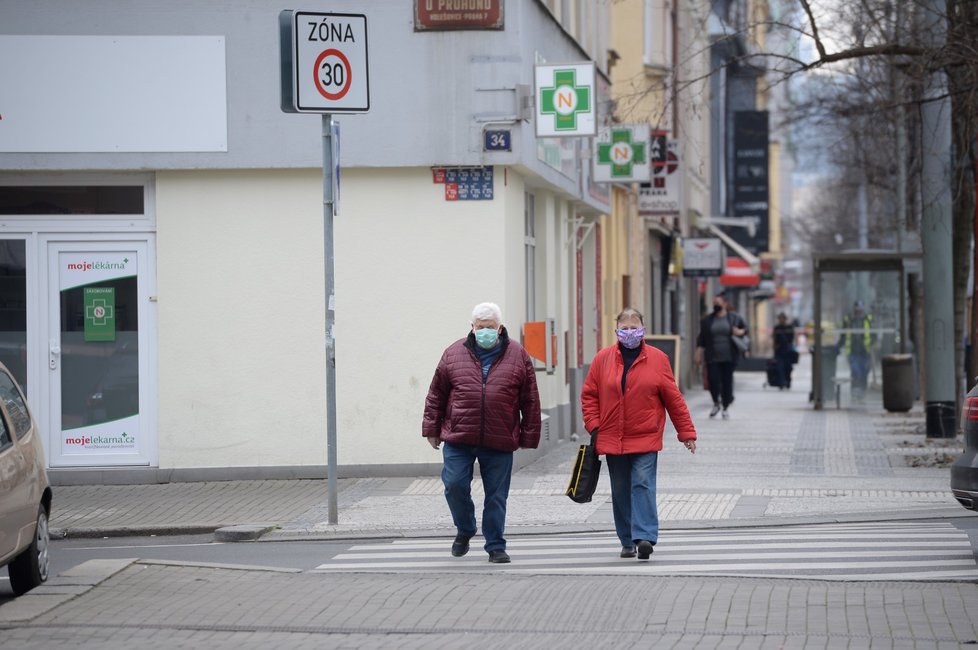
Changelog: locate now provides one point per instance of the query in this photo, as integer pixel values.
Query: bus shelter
(860, 317)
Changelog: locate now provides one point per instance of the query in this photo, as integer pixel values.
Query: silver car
(25, 495)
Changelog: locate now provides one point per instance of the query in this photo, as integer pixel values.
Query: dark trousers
(720, 375)
(784, 366)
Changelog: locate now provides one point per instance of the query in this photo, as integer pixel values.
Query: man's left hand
(434, 442)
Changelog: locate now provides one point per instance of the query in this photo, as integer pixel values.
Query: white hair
(487, 311)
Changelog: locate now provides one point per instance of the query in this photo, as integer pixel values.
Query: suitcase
(774, 374)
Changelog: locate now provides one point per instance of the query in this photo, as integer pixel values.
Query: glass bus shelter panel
(860, 322)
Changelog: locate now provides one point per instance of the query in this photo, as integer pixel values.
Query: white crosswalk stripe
(858, 551)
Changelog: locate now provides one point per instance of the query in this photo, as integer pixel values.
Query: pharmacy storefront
(77, 320)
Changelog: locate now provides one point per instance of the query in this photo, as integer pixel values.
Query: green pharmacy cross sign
(565, 99)
(622, 154)
(99, 313)
(565, 103)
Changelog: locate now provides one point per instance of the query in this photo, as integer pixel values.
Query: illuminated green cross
(621, 153)
(565, 99)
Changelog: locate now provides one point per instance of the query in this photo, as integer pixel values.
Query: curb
(157, 530)
(271, 532)
(242, 533)
(276, 534)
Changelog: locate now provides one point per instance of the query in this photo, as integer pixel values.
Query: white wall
(242, 370)
(409, 268)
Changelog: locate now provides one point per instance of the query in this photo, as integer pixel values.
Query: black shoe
(461, 545)
(644, 549)
(499, 557)
(627, 551)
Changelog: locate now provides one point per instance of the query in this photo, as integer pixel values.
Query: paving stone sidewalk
(150, 604)
(775, 461)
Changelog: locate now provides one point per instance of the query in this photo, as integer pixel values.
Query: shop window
(71, 199)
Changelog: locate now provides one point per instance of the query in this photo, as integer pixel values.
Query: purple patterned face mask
(631, 338)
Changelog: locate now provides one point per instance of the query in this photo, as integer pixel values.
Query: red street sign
(457, 14)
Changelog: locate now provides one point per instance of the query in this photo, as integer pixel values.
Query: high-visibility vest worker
(867, 326)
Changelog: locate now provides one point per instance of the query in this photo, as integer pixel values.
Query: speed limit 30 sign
(329, 63)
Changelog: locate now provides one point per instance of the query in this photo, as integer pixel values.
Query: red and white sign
(737, 273)
(330, 62)
(663, 194)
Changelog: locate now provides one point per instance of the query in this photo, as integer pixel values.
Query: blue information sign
(469, 183)
(497, 141)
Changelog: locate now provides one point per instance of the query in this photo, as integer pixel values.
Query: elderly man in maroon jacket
(483, 404)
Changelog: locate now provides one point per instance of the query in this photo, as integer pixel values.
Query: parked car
(964, 471)
(25, 494)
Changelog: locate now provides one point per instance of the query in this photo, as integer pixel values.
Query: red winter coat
(502, 413)
(633, 423)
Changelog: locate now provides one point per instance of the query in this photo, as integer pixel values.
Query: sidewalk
(775, 462)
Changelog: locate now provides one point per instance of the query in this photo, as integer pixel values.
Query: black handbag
(584, 477)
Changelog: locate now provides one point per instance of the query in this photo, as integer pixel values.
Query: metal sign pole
(328, 209)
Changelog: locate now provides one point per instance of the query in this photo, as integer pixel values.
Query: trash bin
(898, 384)
(829, 355)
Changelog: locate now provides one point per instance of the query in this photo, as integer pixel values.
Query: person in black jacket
(785, 352)
(715, 344)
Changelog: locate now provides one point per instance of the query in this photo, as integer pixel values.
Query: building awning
(752, 260)
(741, 269)
(738, 273)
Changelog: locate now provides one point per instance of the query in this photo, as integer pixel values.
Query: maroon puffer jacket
(502, 413)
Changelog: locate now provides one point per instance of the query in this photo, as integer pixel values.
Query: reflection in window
(19, 416)
(5, 439)
(13, 308)
(99, 379)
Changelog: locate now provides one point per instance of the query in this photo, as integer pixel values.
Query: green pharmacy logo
(565, 99)
(99, 313)
(622, 154)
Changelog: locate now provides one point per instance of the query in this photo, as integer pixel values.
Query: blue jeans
(859, 369)
(633, 496)
(496, 468)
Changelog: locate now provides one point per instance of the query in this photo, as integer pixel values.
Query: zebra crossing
(884, 551)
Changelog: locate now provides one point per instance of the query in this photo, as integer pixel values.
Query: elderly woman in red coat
(628, 391)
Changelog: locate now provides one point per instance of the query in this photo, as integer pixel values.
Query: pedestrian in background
(484, 405)
(715, 346)
(627, 392)
(858, 340)
(785, 352)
